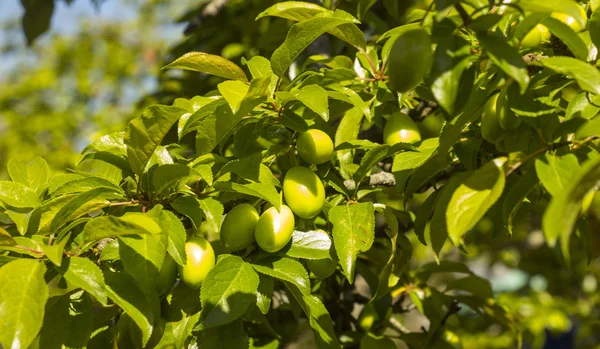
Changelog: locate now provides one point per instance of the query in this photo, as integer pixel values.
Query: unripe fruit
(315, 146)
(274, 229)
(303, 191)
(507, 119)
(166, 275)
(409, 60)
(534, 38)
(322, 268)
(570, 21)
(237, 230)
(400, 128)
(200, 260)
(490, 128)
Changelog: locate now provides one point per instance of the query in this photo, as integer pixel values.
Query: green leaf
(373, 156)
(54, 252)
(189, 207)
(23, 295)
(229, 336)
(213, 212)
(293, 121)
(318, 318)
(18, 195)
(473, 284)
(141, 306)
(353, 233)
(33, 174)
(515, 196)
(568, 36)
(214, 128)
(145, 133)
(405, 163)
(507, 58)
(594, 28)
(77, 204)
(564, 208)
(286, 269)
(209, 64)
(294, 10)
(184, 312)
(247, 167)
(80, 185)
(111, 226)
(303, 34)
(142, 256)
(347, 131)
(264, 293)
(569, 7)
(190, 123)
(67, 322)
(263, 191)
(36, 20)
(349, 96)
(556, 171)
(6, 239)
(586, 75)
(83, 273)
(315, 98)
(314, 244)
(471, 200)
(234, 92)
(228, 290)
(168, 175)
(176, 235)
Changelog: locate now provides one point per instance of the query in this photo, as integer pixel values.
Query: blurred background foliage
(96, 64)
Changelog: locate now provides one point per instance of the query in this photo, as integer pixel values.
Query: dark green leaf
(568, 36)
(506, 58)
(264, 293)
(67, 322)
(585, 74)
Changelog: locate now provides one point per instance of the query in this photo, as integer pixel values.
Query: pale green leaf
(586, 75)
(23, 295)
(406, 162)
(70, 210)
(286, 269)
(473, 198)
(569, 7)
(234, 92)
(33, 174)
(567, 35)
(83, 273)
(110, 226)
(176, 235)
(210, 64)
(18, 195)
(556, 171)
(353, 233)
(313, 244)
(294, 10)
(263, 191)
(315, 98)
(264, 293)
(564, 208)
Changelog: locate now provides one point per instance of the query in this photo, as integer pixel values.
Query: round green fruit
(237, 230)
(534, 38)
(167, 275)
(322, 268)
(507, 119)
(315, 146)
(303, 191)
(571, 21)
(368, 316)
(200, 260)
(409, 60)
(431, 126)
(490, 128)
(400, 128)
(274, 229)
(158, 331)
